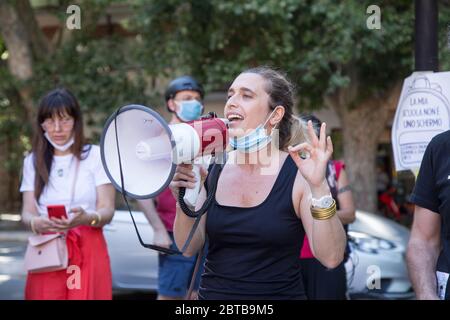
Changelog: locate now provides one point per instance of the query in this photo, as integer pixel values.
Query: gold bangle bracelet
(323, 216)
(96, 221)
(323, 213)
(99, 218)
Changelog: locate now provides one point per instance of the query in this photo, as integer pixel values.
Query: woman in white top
(63, 170)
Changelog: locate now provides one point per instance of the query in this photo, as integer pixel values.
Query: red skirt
(88, 276)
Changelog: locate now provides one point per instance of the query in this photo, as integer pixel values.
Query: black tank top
(253, 253)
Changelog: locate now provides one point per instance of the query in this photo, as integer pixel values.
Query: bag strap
(74, 182)
(194, 273)
(212, 179)
(213, 175)
(210, 186)
(75, 178)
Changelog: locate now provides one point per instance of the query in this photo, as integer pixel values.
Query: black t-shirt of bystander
(432, 190)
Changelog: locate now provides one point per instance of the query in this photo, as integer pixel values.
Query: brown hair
(281, 93)
(59, 101)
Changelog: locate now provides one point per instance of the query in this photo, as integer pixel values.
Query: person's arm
(327, 237)
(30, 215)
(423, 251)
(346, 212)
(106, 194)
(31, 218)
(105, 205)
(29, 210)
(161, 236)
(184, 177)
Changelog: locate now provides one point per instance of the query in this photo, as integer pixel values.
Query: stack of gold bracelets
(323, 213)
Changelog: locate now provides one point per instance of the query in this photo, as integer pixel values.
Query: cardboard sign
(423, 112)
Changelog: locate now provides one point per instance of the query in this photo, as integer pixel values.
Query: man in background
(184, 97)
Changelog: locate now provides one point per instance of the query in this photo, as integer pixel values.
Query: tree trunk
(360, 137)
(25, 43)
(5, 178)
(39, 44)
(362, 126)
(9, 186)
(16, 39)
(20, 59)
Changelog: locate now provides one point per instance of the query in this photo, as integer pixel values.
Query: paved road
(12, 272)
(13, 241)
(13, 275)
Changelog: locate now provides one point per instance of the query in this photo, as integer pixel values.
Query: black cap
(181, 84)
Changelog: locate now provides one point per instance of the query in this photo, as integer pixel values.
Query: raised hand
(318, 152)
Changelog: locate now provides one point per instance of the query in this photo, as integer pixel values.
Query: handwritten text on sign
(422, 113)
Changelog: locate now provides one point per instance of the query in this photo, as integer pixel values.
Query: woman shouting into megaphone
(269, 194)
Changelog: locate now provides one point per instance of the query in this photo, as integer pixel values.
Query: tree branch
(20, 60)
(39, 43)
(16, 40)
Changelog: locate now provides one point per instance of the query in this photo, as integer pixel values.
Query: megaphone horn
(149, 149)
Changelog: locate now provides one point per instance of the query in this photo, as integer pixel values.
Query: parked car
(376, 268)
(377, 243)
(134, 268)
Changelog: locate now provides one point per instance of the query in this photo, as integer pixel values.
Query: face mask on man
(189, 110)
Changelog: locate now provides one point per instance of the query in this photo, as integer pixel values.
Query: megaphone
(141, 150)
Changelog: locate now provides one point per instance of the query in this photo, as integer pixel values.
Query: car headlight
(370, 244)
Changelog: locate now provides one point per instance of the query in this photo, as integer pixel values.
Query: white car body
(377, 267)
(134, 268)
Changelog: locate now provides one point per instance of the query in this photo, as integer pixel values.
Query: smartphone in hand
(56, 211)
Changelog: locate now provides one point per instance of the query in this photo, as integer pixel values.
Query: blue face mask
(254, 141)
(189, 110)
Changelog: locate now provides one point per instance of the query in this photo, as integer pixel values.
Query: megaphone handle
(191, 195)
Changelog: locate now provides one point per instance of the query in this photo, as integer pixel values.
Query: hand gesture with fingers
(319, 151)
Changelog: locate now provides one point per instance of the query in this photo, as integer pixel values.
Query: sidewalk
(13, 242)
(12, 229)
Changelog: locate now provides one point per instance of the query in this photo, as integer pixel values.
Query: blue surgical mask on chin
(189, 110)
(254, 141)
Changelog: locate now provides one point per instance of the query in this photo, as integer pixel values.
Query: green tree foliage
(319, 43)
(11, 119)
(100, 74)
(323, 45)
